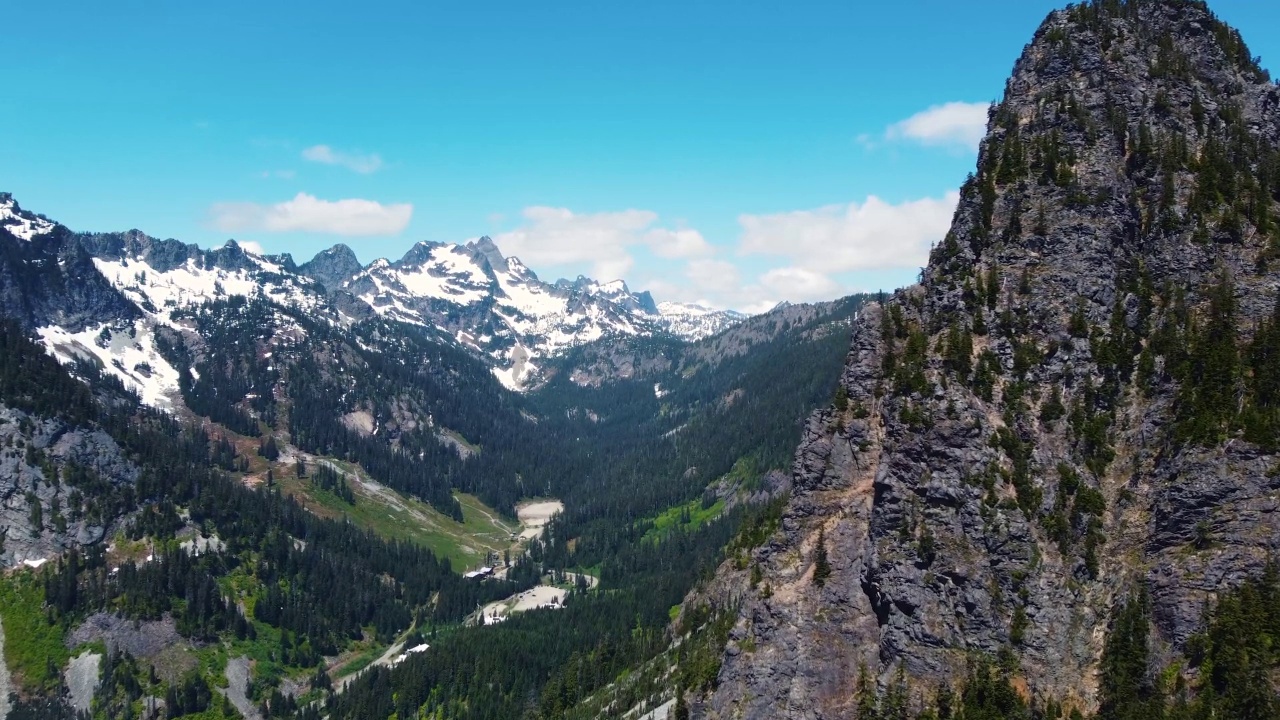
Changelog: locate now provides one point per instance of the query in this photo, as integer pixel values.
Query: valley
(1038, 482)
(302, 448)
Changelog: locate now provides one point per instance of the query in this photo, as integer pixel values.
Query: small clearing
(146, 639)
(591, 580)
(542, 596)
(385, 660)
(359, 422)
(534, 516)
(394, 515)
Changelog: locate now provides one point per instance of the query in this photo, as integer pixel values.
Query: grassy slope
(670, 518)
(32, 647)
(387, 512)
(396, 516)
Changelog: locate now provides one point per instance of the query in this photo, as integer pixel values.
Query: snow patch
(24, 226)
(160, 293)
(128, 353)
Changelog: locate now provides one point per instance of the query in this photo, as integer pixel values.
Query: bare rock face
(333, 266)
(1008, 455)
(47, 470)
(49, 278)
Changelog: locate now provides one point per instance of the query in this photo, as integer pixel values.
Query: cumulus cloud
(953, 124)
(718, 283)
(871, 235)
(796, 283)
(813, 253)
(798, 256)
(251, 246)
(307, 213)
(722, 284)
(354, 161)
(552, 236)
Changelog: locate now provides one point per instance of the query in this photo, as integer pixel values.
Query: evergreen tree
(1126, 692)
(867, 697)
(821, 566)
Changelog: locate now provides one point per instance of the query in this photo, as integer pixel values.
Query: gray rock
(931, 551)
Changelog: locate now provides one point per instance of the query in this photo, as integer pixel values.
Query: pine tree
(681, 711)
(896, 705)
(821, 566)
(1125, 690)
(868, 699)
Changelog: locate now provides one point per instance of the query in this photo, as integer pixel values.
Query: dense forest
(273, 578)
(294, 558)
(613, 453)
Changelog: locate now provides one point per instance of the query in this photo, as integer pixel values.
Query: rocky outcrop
(1004, 461)
(50, 280)
(332, 267)
(61, 487)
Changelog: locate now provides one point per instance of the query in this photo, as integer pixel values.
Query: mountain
(236, 480)
(694, 321)
(20, 223)
(487, 303)
(497, 306)
(1045, 481)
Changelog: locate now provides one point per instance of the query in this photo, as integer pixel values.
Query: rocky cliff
(1075, 404)
(61, 486)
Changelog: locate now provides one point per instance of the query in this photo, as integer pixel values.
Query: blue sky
(736, 153)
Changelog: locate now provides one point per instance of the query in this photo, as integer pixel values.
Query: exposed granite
(929, 564)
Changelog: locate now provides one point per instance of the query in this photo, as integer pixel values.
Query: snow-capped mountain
(497, 305)
(695, 322)
(491, 304)
(166, 280)
(21, 224)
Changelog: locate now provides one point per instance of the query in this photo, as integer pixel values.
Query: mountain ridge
(489, 303)
(1020, 446)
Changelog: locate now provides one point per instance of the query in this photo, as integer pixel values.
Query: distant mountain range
(484, 301)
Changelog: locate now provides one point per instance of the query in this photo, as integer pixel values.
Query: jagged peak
(489, 250)
(1162, 33)
(340, 249)
(420, 253)
(1111, 88)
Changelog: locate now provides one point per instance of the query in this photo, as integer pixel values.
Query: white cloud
(954, 124)
(251, 246)
(721, 284)
(799, 256)
(794, 283)
(872, 235)
(815, 252)
(354, 161)
(306, 213)
(677, 243)
(553, 236)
